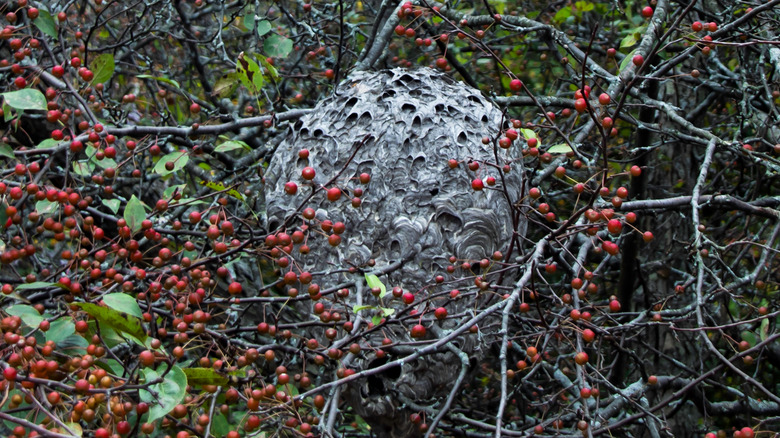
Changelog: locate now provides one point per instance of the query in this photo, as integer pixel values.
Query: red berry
(697, 26)
(614, 226)
(334, 194)
(146, 358)
(614, 306)
(516, 85)
(647, 12)
(235, 288)
(581, 358)
(194, 108)
(291, 188)
(580, 105)
(9, 374)
(588, 335)
(638, 60)
(308, 173)
(418, 331)
(477, 184)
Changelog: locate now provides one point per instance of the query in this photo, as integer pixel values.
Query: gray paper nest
(405, 125)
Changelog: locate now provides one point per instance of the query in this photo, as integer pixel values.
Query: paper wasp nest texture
(401, 127)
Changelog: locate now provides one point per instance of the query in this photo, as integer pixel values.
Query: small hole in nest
(350, 103)
(318, 132)
(408, 108)
(406, 78)
(439, 107)
(387, 94)
(298, 125)
(475, 99)
(462, 138)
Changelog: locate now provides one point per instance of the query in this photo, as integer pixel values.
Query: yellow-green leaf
(374, 281)
(119, 321)
(134, 213)
(205, 376)
(561, 148)
(102, 67)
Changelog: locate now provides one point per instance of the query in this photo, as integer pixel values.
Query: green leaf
(249, 21)
(374, 281)
(26, 99)
(75, 428)
(528, 133)
(83, 168)
(112, 204)
(46, 207)
(6, 150)
(277, 46)
(102, 67)
(8, 113)
(750, 337)
(205, 376)
(560, 148)
(3, 218)
(376, 320)
(163, 396)
(135, 213)
(123, 303)
(627, 60)
(168, 193)
(71, 345)
(263, 27)
(38, 285)
(115, 319)
(562, 14)
(226, 85)
(584, 6)
(29, 315)
(387, 311)
(113, 366)
(48, 143)
(270, 71)
(356, 309)
(220, 425)
(218, 186)
(763, 331)
(61, 329)
(249, 73)
(628, 41)
(45, 23)
(231, 146)
(179, 160)
(161, 79)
